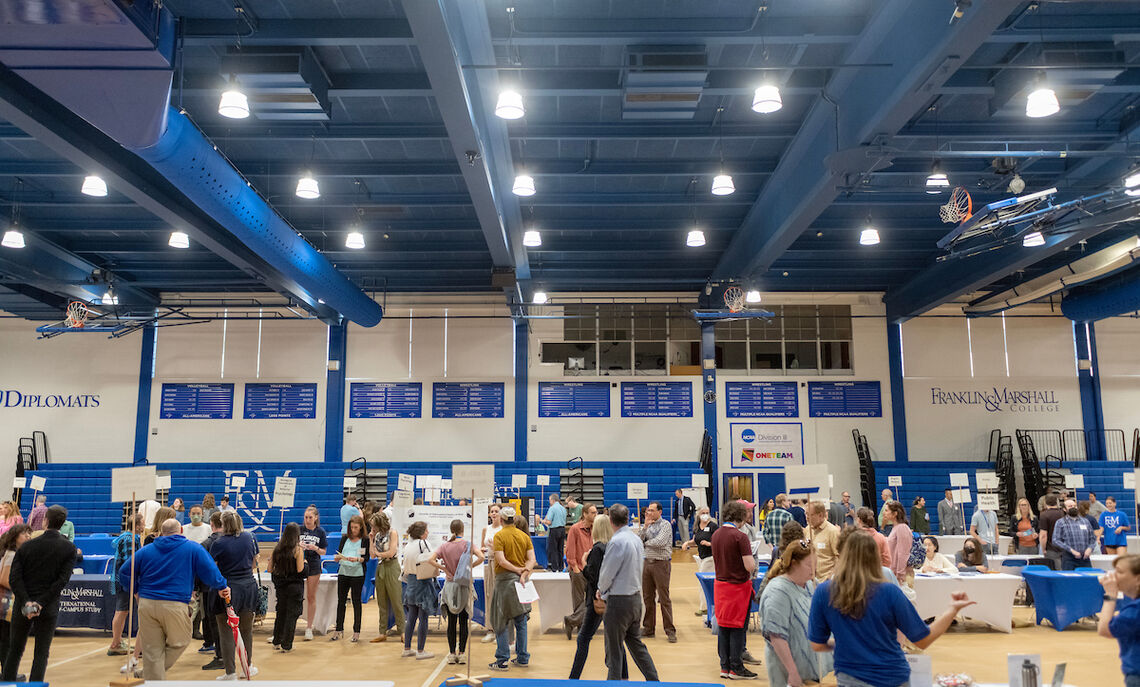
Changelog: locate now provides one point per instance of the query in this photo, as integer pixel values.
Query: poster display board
(766, 445)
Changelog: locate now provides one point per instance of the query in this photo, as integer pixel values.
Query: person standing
(164, 577)
(488, 542)
(774, 523)
(683, 511)
(224, 506)
(197, 531)
(1024, 527)
(578, 543)
(1095, 506)
(864, 615)
(887, 496)
(983, 525)
(10, 542)
(573, 511)
(1074, 537)
(287, 572)
(1046, 522)
(949, 517)
(457, 599)
(352, 554)
(601, 532)
(657, 537)
(210, 643)
(799, 513)
(123, 547)
(421, 595)
(702, 539)
(347, 512)
(824, 538)
(619, 585)
(39, 511)
(179, 507)
(732, 590)
(389, 594)
(1124, 626)
(235, 553)
(208, 507)
(842, 514)
(1115, 525)
(555, 522)
(315, 542)
(40, 570)
(919, 518)
(865, 522)
(514, 561)
(900, 541)
(785, 607)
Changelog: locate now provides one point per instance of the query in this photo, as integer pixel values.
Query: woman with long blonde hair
(601, 532)
(859, 615)
(155, 526)
(784, 608)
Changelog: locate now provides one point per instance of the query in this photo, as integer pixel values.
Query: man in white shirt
(196, 531)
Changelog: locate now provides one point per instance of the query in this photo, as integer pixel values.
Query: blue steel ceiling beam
(913, 36)
(448, 35)
(356, 32)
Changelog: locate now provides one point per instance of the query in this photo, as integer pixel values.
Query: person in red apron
(732, 591)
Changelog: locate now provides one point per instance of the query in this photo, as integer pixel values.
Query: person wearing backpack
(900, 542)
(457, 557)
(824, 538)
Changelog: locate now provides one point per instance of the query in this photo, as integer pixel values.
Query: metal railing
(1081, 445)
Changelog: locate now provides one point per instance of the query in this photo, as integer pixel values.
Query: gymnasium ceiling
(620, 181)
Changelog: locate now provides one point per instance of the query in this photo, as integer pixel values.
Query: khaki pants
(164, 633)
(655, 587)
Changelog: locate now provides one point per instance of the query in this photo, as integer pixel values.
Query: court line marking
(430, 681)
(76, 658)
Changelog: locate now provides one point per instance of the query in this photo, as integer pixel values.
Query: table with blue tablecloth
(1063, 598)
(706, 580)
(96, 564)
(87, 601)
(95, 544)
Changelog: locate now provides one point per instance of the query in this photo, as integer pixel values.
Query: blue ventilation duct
(1110, 297)
(110, 63)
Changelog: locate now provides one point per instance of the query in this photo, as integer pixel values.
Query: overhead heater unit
(283, 84)
(663, 81)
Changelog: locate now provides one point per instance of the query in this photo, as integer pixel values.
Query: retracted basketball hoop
(77, 313)
(734, 298)
(959, 208)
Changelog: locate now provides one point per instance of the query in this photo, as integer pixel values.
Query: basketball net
(76, 315)
(734, 298)
(959, 208)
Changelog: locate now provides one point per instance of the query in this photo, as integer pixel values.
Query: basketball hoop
(76, 315)
(959, 208)
(734, 298)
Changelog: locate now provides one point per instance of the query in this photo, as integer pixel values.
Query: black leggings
(290, 596)
(452, 620)
(344, 585)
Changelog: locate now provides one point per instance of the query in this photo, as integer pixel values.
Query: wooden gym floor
(78, 658)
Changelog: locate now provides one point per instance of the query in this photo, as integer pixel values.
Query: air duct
(110, 63)
(1117, 295)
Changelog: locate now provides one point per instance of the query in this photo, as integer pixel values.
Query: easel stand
(478, 680)
(129, 679)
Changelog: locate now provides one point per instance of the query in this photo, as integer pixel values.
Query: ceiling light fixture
(93, 185)
(937, 181)
(308, 188)
(870, 235)
(109, 299)
(1042, 100)
(532, 238)
(722, 185)
(13, 239)
(539, 297)
(233, 104)
(767, 99)
(1032, 239)
(510, 105)
(354, 240)
(695, 239)
(179, 239)
(524, 185)
(753, 296)
(1132, 183)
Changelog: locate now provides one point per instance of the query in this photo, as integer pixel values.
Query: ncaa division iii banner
(757, 445)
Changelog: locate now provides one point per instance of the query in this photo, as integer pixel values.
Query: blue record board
(280, 401)
(467, 399)
(656, 399)
(197, 402)
(573, 399)
(845, 399)
(385, 399)
(762, 399)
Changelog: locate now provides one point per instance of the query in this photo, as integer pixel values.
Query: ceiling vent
(283, 84)
(663, 81)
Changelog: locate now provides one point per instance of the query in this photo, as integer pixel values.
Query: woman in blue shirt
(859, 614)
(235, 552)
(352, 554)
(1123, 626)
(1116, 527)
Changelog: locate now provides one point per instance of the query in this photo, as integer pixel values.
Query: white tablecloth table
(282, 683)
(950, 544)
(993, 594)
(325, 616)
(1098, 560)
(555, 601)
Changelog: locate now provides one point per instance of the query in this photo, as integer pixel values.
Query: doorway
(755, 487)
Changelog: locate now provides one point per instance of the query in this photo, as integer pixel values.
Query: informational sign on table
(845, 399)
(385, 399)
(986, 479)
(438, 519)
(959, 479)
(197, 402)
(284, 491)
(518, 481)
(637, 490)
(700, 480)
(988, 502)
(349, 482)
(87, 601)
(467, 399)
(762, 399)
(22, 483)
(280, 401)
(401, 506)
(406, 482)
(656, 399)
(161, 483)
(38, 483)
(894, 481)
(573, 399)
(961, 496)
(139, 482)
(1074, 481)
(542, 480)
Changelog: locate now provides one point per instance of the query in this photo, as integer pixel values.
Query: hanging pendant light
(233, 104)
(937, 181)
(722, 185)
(93, 185)
(752, 296)
(1042, 100)
(354, 240)
(1132, 183)
(109, 299)
(767, 100)
(532, 238)
(524, 185)
(510, 105)
(695, 239)
(870, 235)
(539, 297)
(13, 238)
(1033, 239)
(179, 239)
(308, 188)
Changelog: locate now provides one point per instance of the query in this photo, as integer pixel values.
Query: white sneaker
(270, 640)
(424, 655)
(488, 638)
(408, 652)
(309, 634)
(253, 671)
(227, 676)
(452, 659)
(461, 659)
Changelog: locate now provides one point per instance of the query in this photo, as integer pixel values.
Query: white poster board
(757, 445)
(161, 483)
(421, 481)
(237, 481)
(22, 482)
(700, 480)
(542, 480)
(921, 670)
(1130, 480)
(988, 502)
(139, 481)
(445, 484)
(637, 490)
(479, 479)
(986, 480)
(959, 479)
(962, 496)
(438, 519)
(284, 491)
(894, 480)
(806, 481)
(1074, 481)
(349, 482)
(405, 482)
(401, 510)
(518, 481)
(38, 483)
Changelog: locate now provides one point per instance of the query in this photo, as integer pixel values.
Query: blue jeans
(845, 680)
(1132, 681)
(503, 642)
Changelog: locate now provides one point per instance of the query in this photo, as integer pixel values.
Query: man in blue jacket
(165, 572)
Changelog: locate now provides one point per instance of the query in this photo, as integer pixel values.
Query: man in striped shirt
(1075, 537)
(775, 521)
